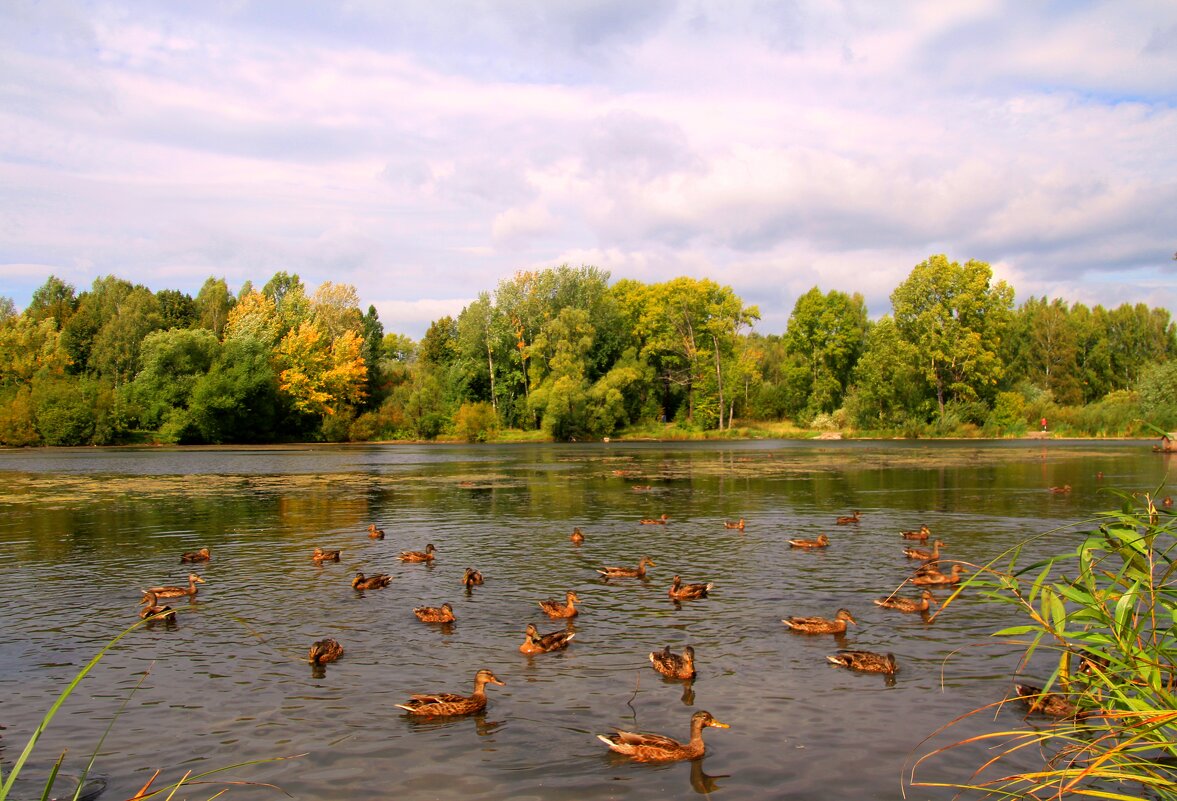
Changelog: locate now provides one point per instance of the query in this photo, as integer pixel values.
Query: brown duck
(320, 556)
(628, 572)
(820, 625)
(151, 608)
(842, 521)
(686, 592)
(655, 521)
(176, 592)
(419, 556)
(737, 525)
(536, 643)
(203, 555)
(901, 604)
(920, 553)
(577, 536)
(376, 582)
(675, 666)
(375, 533)
(822, 541)
(553, 608)
(921, 535)
(934, 578)
(657, 748)
(865, 661)
(1052, 704)
(324, 651)
(471, 578)
(442, 704)
(435, 614)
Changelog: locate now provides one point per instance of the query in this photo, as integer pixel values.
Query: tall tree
(213, 303)
(54, 299)
(955, 318)
(826, 334)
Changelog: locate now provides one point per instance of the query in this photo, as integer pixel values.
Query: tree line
(569, 353)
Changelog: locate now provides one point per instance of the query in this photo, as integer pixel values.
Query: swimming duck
(822, 541)
(1052, 704)
(151, 608)
(628, 572)
(419, 556)
(921, 535)
(435, 614)
(866, 661)
(324, 651)
(676, 666)
(554, 608)
(820, 625)
(737, 525)
(376, 582)
(901, 604)
(537, 643)
(1167, 502)
(176, 592)
(576, 536)
(471, 577)
(686, 592)
(1065, 489)
(841, 521)
(657, 748)
(657, 521)
(202, 555)
(934, 578)
(320, 556)
(442, 704)
(920, 553)
(375, 533)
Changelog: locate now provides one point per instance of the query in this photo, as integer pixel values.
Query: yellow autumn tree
(320, 374)
(255, 315)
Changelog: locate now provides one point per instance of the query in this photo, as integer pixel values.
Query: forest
(566, 354)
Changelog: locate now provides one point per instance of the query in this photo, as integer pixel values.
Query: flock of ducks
(637, 746)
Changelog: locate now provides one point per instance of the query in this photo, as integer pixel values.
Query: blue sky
(424, 151)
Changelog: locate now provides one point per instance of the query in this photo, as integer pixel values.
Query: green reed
(1106, 614)
(8, 781)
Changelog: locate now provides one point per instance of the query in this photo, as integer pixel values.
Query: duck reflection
(482, 726)
(703, 783)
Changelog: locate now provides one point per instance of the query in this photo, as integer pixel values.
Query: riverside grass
(8, 781)
(1106, 615)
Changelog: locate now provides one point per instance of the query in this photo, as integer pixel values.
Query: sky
(423, 151)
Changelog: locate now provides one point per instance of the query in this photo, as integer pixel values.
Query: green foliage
(1158, 395)
(54, 300)
(64, 411)
(826, 336)
(237, 400)
(17, 426)
(476, 422)
(173, 361)
(1104, 615)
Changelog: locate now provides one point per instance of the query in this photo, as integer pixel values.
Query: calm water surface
(83, 531)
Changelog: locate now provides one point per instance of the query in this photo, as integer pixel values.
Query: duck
(1065, 489)
(375, 533)
(554, 608)
(656, 747)
(865, 661)
(655, 521)
(822, 541)
(419, 556)
(324, 651)
(920, 553)
(686, 592)
(202, 555)
(842, 521)
(934, 578)
(1052, 704)
(176, 592)
(443, 704)
(901, 604)
(471, 578)
(577, 536)
(536, 643)
(820, 625)
(435, 614)
(675, 666)
(1167, 502)
(152, 609)
(628, 572)
(320, 556)
(376, 582)
(921, 535)
(739, 524)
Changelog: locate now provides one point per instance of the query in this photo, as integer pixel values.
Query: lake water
(82, 531)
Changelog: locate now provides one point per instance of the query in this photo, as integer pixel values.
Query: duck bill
(719, 725)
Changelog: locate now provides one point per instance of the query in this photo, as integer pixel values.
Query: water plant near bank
(1101, 623)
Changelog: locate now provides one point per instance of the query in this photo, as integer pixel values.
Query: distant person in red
(1043, 423)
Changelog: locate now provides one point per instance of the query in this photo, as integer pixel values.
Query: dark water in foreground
(82, 531)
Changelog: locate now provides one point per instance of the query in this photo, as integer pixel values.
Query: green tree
(213, 304)
(173, 361)
(237, 400)
(826, 334)
(955, 318)
(176, 309)
(886, 384)
(54, 300)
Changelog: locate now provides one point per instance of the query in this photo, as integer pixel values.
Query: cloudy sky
(423, 151)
